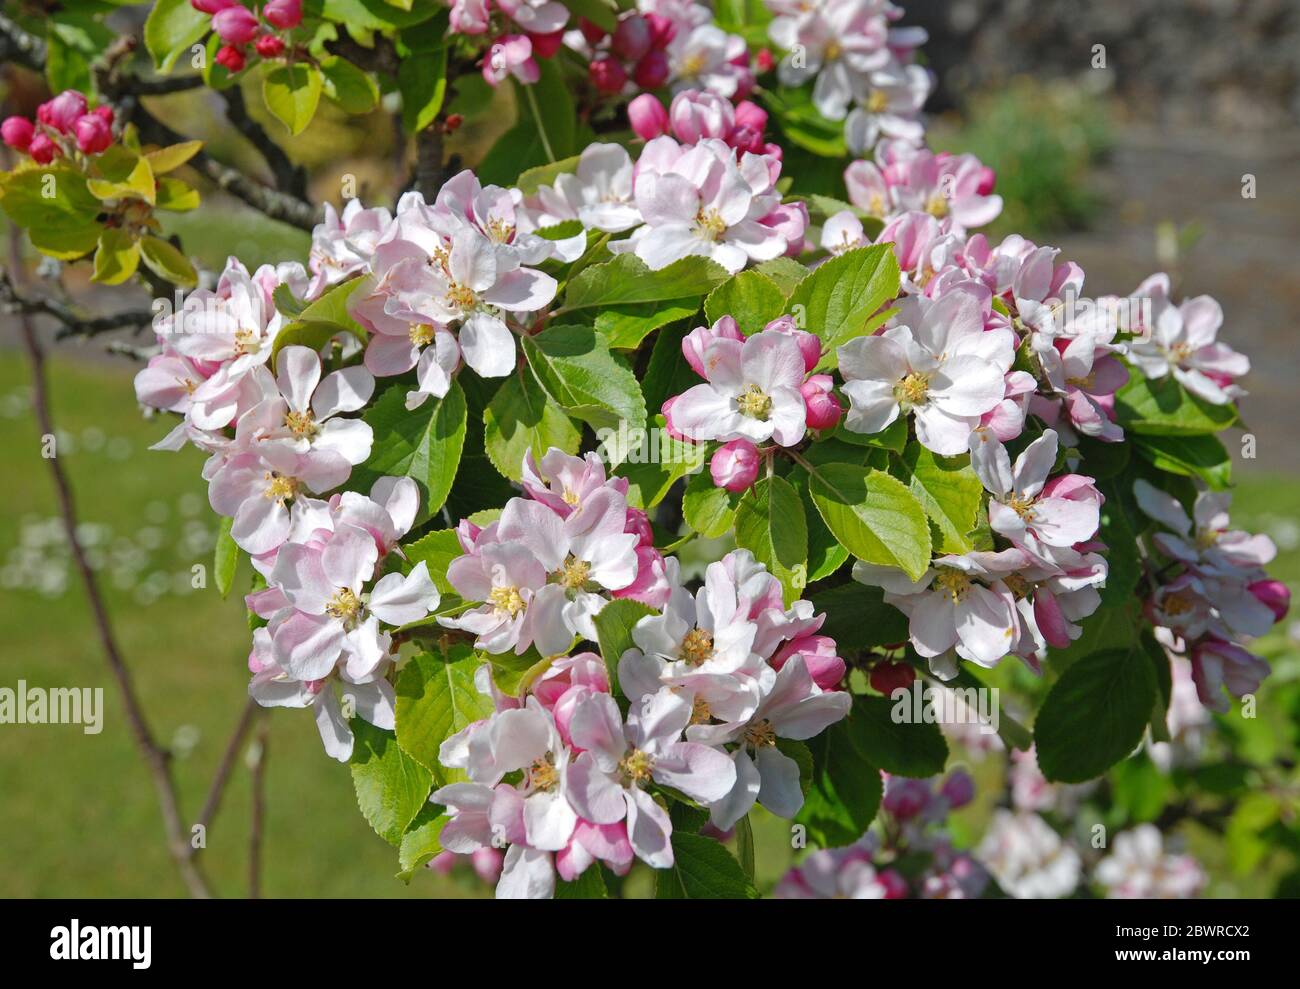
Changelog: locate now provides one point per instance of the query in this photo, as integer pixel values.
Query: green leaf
(949, 491)
(348, 86)
(858, 618)
(225, 558)
(1123, 565)
(625, 326)
(176, 196)
(599, 12)
(522, 417)
(825, 553)
(751, 298)
(628, 279)
(651, 460)
(786, 272)
(588, 886)
(770, 524)
(1163, 407)
(167, 262)
(171, 27)
(804, 126)
(422, 81)
(532, 179)
(54, 206)
(514, 673)
(122, 174)
(574, 366)
(1012, 732)
(745, 846)
(840, 296)
(170, 158)
(436, 550)
(436, 698)
(892, 742)
(421, 842)
(893, 437)
(391, 786)
(876, 518)
(1202, 456)
(614, 624)
(287, 303)
(707, 508)
(116, 258)
(702, 869)
(846, 788)
(1094, 715)
(423, 444)
(291, 93)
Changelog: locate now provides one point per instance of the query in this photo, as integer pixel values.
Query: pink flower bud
(662, 30)
(648, 117)
(63, 111)
(905, 798)
(235, 25)
(546, 45)
(212, 6)
(697, 115)
(592, 32)
(820, 658)
(42, 149)
(888, 677)
(632, 38)
(810, 347)
(1274, 595)
(638, 522)
(283, 14)
(751, 115)
(958, 789)
(17, 132)
(93, 135)
(896, 886)
(988, 179)
(764, 61)
(652, 71)
(735, 465)
(104, 113)
(269, 46)
(824, 409)
(607, 74)
(230, 57)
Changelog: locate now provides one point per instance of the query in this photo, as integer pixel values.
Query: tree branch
(218, 787)
(288, 176)
(11, 301)
(155, 757)
(259, 811)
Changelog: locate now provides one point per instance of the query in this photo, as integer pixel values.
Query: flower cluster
(443, 280)
(238, 27)
(1213, 593)
(563, 776)
(694, 115)
(542, 571)
(862, 66)
(63, 125)
(756, 389)
(908, 856)
(334, 595)
(637, 49)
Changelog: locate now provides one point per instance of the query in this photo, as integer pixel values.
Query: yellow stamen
(420, 334)
(761, 734)
(344, 605)
(952, 582)
(573, 572)
(937, 206)
(912, 390)
(280, 488)
(1024, 507)
(461, 296)
(700, 713)
(636, 767)
(507, 600)
(755, 403)
(696, 647)
(542, 775)
(877, 101)
(301, 424)
(246, 341)
(710, 224)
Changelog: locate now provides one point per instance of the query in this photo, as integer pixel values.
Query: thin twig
(155, 756)
(218, 787)
(288, 176)
(11, 301)
(259, 811)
